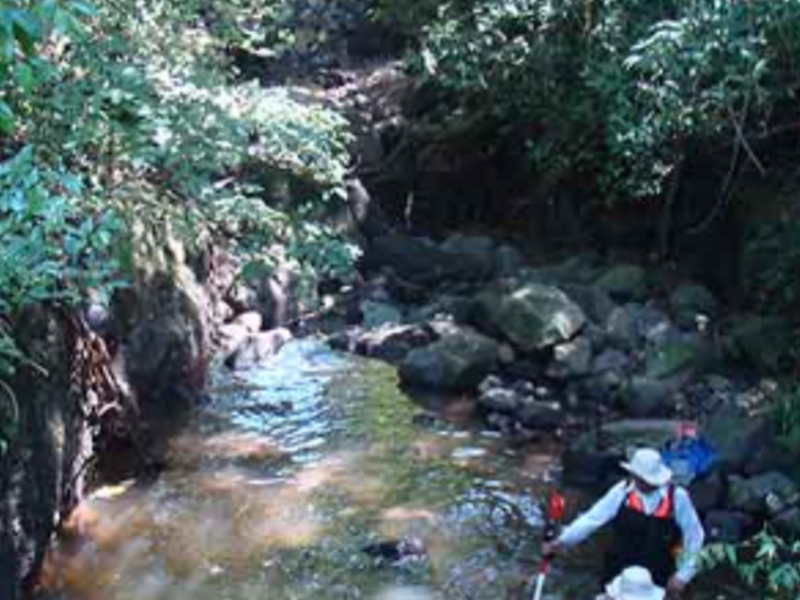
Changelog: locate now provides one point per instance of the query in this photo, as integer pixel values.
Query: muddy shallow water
(315, 478)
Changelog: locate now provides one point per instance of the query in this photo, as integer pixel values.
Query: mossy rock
(624, 283)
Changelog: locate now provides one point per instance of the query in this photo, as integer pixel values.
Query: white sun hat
(634, 583)
(648, 465)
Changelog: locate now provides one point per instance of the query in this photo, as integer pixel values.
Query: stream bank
(544, 351)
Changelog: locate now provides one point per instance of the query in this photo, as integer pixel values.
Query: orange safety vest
(663, 510)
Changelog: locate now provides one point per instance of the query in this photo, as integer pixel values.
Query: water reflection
(282, 480)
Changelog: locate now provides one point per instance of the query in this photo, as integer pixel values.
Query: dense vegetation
(625, 102)
(113, 110)
(118, 111)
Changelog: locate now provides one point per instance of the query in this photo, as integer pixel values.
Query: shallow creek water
(284, 485)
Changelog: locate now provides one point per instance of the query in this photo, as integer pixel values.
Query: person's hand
(552, 548)
(675, 587)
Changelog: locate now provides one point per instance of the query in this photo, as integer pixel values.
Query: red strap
(664, 508)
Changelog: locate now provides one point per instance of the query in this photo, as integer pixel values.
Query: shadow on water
(315, 478)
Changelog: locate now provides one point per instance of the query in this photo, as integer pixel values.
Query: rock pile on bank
(619, 352)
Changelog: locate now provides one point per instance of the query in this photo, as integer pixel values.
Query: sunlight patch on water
(407, 593)
(279, 483)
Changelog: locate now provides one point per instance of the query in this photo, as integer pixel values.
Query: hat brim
(662, 477)
(614, 591)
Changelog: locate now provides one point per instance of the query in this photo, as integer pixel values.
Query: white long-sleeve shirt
(605, 509)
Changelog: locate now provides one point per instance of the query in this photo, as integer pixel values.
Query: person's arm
(692, 533)
(593, 519)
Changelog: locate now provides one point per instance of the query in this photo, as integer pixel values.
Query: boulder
(751, 495)
(612, 361)
(530, 316)
(728, 527)
(735, 434)
(538, 414)
(376, 314)
(571, 359)
(230, 337)
(595, 302)
(365, 215)
(474, 252)
(500, 399)
(787, 523)
(691, 301)
(257, 348)
(593, 458)
(603, 390)
(446, 306)
(279, 294)
(647, 396)
(420, 261)
(634, 325)
(683, 355)
(578, 270)
(508, 261)
(624, 283)
(251, 321)
(164, 354)
(708, 493)
(389, 343)
(459, 360)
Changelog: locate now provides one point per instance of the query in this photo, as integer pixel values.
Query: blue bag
(689, 458)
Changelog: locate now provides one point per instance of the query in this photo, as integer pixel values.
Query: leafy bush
(767, 562)
(97, 99)
(24, 26)
(788, 416)
(772, 262)
(57, 242)
(619, 91)
(149, 98)
(56, 236)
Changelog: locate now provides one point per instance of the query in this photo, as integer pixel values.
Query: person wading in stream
(653, 522)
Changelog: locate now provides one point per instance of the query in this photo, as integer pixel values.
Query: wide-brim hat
(648, 465)
(634, 583)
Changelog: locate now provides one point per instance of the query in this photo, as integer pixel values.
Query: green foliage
(772, 262)
(618, 91)
(788, 416)
(56, 240)
(115, 96)
(767, 562)
(25, 25)
(148, 98)
(56, 246)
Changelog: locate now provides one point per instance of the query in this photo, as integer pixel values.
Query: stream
(297, 481)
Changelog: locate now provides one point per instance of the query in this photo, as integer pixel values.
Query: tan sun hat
(634, 583)
(649, 466)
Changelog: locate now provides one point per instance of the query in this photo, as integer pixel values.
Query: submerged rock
(397, 551)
